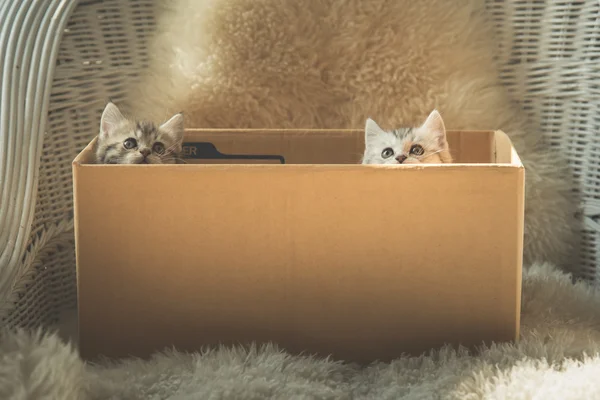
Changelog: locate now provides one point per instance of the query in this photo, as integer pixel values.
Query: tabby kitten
(124, 141)
(426, 144)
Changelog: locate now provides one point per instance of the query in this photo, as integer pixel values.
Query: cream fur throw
(557, 358)
(333, 63)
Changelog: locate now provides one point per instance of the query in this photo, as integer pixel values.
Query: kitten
(426, 144)
(123, 141)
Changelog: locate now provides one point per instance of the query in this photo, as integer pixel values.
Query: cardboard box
(307, 249)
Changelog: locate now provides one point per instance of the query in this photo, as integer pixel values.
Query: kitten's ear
(372, 130)
(434, 124)
(110, 120)
(174, 127)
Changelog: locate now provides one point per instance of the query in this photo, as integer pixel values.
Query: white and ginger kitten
(125, 141)
(426, 144)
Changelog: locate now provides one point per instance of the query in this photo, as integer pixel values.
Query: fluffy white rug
(557, 358)
(332, 63)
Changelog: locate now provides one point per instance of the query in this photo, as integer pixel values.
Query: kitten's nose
(401, 158)
(145, 152)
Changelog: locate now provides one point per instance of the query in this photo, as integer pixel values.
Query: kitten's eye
(158, 148)
(417, 150)
(130, 143)
(387, 152)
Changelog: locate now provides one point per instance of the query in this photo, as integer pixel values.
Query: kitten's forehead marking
(145, 128)
(403, 133)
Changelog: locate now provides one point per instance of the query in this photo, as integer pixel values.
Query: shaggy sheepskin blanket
(333, 63)
(557, 357)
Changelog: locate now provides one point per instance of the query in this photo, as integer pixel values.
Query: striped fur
(124, 141)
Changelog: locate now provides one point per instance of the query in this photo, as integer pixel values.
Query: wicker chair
(62, 59)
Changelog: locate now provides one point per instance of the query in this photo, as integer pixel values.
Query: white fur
(372, 130)
(431, 136)
(434, 124)
(557, 358)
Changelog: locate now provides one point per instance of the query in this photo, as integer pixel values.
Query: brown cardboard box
(321, 255)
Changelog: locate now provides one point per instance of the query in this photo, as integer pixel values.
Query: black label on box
(208, 152)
